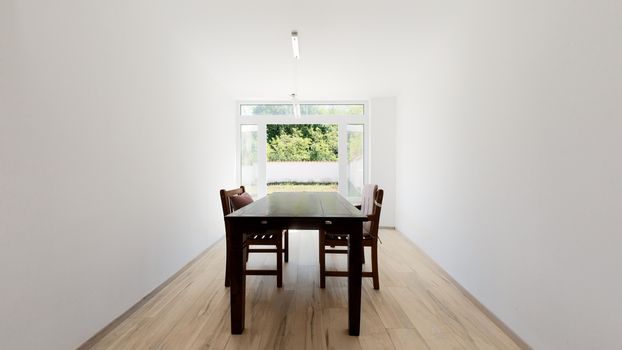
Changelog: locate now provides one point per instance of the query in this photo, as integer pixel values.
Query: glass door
(249, 164)
(321, 148)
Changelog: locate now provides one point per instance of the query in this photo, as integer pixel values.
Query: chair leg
(246, 254)
(228, 258)
(319, 256)
(279, 262)
(286, 249)
(374, 264)
(322, 251)
(363, 254)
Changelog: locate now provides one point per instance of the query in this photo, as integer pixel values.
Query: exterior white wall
(508, 161)
(382, 148)
(109, 162)
(302, 171)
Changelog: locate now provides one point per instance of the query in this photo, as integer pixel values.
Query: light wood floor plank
(417, 307)
(406, 339)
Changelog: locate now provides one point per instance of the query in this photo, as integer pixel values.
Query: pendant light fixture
(295, 47)
(296, 52)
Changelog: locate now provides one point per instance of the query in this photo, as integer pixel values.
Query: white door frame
(341, 120)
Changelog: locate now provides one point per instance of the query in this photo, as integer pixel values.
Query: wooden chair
(273, 238)
(371, 206)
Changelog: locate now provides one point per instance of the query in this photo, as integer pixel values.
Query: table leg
(355, 268)
(238, 280)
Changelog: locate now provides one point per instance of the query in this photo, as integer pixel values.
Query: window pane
(302, 157)
(332, 109)
(266, 109)
(355, 160)
(248, 158)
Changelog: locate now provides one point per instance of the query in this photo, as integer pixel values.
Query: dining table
(302, 211)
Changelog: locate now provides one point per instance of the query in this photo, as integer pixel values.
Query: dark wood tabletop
(300, 205)
(296, 210)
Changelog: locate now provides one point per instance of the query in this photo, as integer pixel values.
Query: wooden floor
(417, 307)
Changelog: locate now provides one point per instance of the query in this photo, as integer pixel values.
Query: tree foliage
(302, 142)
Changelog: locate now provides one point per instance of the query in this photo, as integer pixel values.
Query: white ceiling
(348, 49)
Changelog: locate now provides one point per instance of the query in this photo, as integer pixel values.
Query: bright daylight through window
(322, 150)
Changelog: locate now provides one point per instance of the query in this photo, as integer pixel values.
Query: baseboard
(496, 320)
(104, 331)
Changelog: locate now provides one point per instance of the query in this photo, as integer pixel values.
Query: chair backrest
(374, 218)
(225, 199)
(367, 203)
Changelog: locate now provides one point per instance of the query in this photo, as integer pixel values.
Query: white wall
(302, 171)
(509, 162)
(108, 166)
(382, 153)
